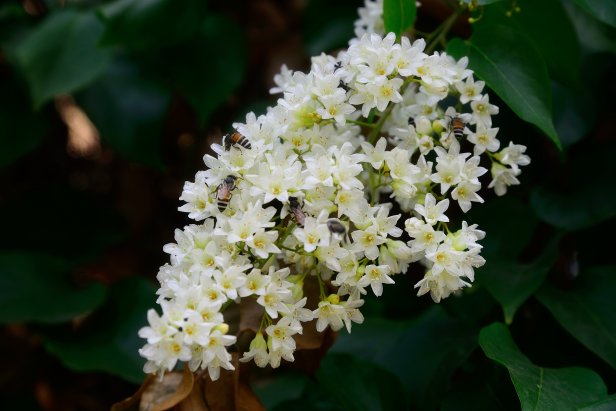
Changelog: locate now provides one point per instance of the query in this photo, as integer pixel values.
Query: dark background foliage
(107, 107)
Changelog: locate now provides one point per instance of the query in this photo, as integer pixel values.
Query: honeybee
(336, 228)
(296, 209)
(235, 139)
(224, 192)
(456, 126)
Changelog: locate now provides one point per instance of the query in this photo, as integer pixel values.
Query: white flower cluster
(298, 192)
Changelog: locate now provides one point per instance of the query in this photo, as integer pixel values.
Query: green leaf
(150, 24)
(74, 225)
(511, 66)
(205, 72)
(439, 345)
(554, 37)
(511, 283)
(604, 10)
(109, 342)
(574, 114)
(541, 388)
(585, 200)
(589, 311)
(398, 15)
(594, 35)
(125, 89)
(281, 387)
(506, 238)
(324, 32)
(607, 404)
(481, 2)
(21, 129)
(358, 385)
(60, 55)
(37, 287)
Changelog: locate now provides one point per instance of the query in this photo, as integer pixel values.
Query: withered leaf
(162, 395)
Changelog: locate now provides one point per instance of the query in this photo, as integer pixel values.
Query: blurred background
(107, 107)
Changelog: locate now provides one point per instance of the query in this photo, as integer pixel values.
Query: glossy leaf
(555, 37)
(588, 312)
(511, 283)
(541, 388)
(604, 10)
(150, 24)
(358, 385)
(512, 67)
(60, 55)
(424, 370)
(398, 15)
(109, 341)
(584, 201)
(126, 89)
(204, 72)
(37, 287)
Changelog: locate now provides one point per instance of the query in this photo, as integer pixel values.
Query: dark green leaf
(481, 2)
(324, 32)
(555, 37)
(439, 345)
(574, 114)
(589, 311)
(585, 200)
(512, 67)
(150, 24)
(509, 225)
(205, 72)
(129, 110)
(71, 224)
(604, 10)
(60, 55)
(109, 342)
(282, 387)
(541, 388)
(358, 385)
(594, 35)
(607, 404)
(511, 283)
(37, 287)
(398, 15)
(21, 129)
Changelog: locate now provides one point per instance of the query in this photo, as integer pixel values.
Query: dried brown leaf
(132, 403)
(250, 315)
(195, 400)
(162, 395)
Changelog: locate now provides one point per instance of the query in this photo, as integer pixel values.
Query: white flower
(513, 156)
(465, 193)
(367, 241)
(314, 234)
(484, 139)
(483, 111)
(469, 90)
(281, 334)
(376, 276)
(258, 351)
(375, 155)
(432, 211)
(502, 177)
